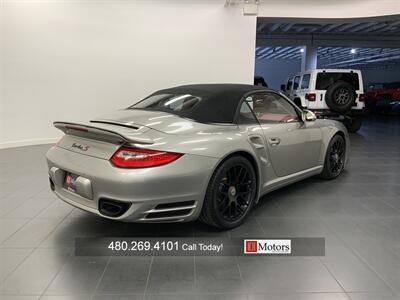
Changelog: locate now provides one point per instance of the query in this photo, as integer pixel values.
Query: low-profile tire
(230, 194)
(340, 96)
(335, 158)
(353, 124)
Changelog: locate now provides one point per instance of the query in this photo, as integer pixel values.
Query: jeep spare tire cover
(340, 96)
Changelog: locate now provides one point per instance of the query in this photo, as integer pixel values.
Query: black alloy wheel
(335, 158)
(231, 192)
(234, 193)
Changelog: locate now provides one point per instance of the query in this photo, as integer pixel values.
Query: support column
(309, 57)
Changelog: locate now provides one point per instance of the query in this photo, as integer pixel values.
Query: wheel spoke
(225, 208)
(235, 191)
(336, 156)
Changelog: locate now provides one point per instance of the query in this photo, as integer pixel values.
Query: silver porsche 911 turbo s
(205, 151)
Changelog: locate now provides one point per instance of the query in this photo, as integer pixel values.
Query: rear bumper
(174, 192)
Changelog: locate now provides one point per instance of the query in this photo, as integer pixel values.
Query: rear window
(174, 103)
(305, 81)
(326, 79)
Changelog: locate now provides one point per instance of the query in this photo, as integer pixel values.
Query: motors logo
(267, 246)
(251, 246)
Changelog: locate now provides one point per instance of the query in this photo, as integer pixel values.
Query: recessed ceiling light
(352, 51)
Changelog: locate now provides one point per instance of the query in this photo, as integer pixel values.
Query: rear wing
(107, 132)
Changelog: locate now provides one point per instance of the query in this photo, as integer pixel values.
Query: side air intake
(171, 211)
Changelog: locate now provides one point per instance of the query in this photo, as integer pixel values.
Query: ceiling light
(353, 51)
(301, 50)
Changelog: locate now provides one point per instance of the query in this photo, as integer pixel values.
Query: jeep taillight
(311, 97)
(126, 157)
(362, 97)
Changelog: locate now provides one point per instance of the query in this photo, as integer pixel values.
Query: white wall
(73, 60)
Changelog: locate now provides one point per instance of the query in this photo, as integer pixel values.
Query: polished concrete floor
(358, 214)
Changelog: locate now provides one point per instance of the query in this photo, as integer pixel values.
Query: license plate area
(70, 182)
(78, 185)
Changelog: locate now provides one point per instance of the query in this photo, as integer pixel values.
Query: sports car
(206, 151)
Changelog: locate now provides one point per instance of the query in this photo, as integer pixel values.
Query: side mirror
(283, 87)
(308, 116)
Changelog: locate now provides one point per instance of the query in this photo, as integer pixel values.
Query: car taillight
(361, 97)
(142, 158)
(311, 97)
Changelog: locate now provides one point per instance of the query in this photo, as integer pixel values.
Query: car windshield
(173, 103)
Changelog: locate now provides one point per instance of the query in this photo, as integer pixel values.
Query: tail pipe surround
(112, 208)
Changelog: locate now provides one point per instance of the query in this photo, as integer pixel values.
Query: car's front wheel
(231, 193)
(335, 158)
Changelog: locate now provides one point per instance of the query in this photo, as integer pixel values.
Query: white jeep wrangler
(330, 93)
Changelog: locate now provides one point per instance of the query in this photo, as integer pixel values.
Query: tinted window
(272, 108)
(296, 82)
(169, 102)
(305, 81)
(326, 79)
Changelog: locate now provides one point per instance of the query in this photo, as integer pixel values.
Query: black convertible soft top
(219, 101)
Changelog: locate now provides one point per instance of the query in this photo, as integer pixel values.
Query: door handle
(274, 141)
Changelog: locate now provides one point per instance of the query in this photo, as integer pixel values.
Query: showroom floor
(358, 214)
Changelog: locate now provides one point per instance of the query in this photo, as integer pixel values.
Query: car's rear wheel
(335, 158)
(231, 193)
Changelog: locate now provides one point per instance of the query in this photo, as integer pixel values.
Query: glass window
(296, 82)
(326, 79)
(169, 103)
(305, 81)
(272, 108)
(246, 115)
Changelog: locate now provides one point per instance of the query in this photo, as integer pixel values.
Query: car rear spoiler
(112, 133)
